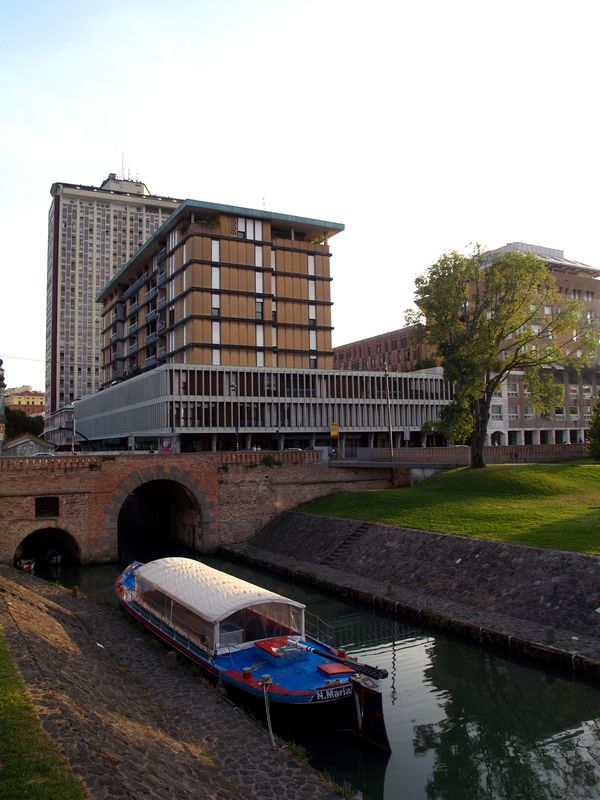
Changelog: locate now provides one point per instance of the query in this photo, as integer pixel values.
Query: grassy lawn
(30, 766)
(546, 505)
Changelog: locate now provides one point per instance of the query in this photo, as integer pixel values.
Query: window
(259, 309)
(559, 412)
(311, 290)
(260, 336)
(513, 412)
(258, 256)
(216, 305)
(547, 310)
(312, 340)
(46, 506)
(215, 250)
(259, 283)
(496, 412)
(512, 389)
(216, 333)
(573, 412)
(528, 412)
(260, 359)
(215, 278)
(311, 265)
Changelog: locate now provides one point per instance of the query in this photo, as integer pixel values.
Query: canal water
(464, 723)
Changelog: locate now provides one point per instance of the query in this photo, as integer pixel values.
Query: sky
(422, 126)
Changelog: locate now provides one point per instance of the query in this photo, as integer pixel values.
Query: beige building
(25, 399)
(92, 231)
(513, 420)
(223, 286)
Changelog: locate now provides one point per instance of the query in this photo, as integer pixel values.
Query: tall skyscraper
(92, 232)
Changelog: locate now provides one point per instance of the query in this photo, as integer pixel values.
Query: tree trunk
(481, 411)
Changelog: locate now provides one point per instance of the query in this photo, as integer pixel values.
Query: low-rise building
(25, 399)
(189, 408)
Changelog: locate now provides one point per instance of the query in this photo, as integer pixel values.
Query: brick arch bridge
(234, 494)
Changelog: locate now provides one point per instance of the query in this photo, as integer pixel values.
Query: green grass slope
(545, 505)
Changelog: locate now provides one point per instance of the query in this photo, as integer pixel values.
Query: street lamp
(389, 409)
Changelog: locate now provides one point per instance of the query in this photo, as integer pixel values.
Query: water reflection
(463, 722)
(507, 731)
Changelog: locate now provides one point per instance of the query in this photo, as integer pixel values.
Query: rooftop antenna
(122, 165)
(263, 202)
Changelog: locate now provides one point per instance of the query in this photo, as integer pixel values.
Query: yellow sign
(335, 429)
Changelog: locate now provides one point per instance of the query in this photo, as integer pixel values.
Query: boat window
(261, 621)
(153, 598)
(195, 626)
(181, 618)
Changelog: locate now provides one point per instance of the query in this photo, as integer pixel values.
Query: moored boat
(254, 641)
(26, 564)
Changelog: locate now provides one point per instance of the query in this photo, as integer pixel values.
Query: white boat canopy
(212, 594)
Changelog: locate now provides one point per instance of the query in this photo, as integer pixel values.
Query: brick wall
(235, 493)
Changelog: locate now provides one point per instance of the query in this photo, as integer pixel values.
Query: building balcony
(132, 327)
(162, 301)
(151, 293)
(162, 324)
(161, 256)
(162, 349)
(131, 348)
(150, 338)
(150, 360)
(161, 278)
(151, 315)
(134, 286)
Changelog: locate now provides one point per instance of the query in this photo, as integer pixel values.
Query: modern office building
(92, 231)
(513, 420)
(221, 285)
(217, 335)
(189, 408)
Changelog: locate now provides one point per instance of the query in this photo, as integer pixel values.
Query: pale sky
(422, 126)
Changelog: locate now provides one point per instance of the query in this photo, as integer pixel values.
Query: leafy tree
(593, 434)
(17, 422)
(487, 316)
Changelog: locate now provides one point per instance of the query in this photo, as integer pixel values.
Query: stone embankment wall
(525, 597)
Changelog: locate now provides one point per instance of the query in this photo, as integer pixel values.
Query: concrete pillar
(247, 441)
(535, 436)
(213, 442)
(341, 446)
(370, 440)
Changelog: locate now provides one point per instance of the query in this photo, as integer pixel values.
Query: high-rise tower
(92, 232)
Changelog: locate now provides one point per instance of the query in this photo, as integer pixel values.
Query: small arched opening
(158, 519)
(49, 546)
